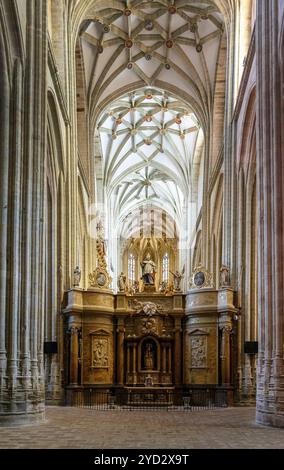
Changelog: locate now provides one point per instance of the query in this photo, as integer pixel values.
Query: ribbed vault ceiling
(150, 74)
(151, 144)
(164, 43)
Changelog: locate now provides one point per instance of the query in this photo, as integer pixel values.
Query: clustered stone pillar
(270, 380)
(4, 194)
(22, 164)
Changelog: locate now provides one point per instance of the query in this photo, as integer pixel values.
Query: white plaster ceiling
(149, 141)
(170, 44)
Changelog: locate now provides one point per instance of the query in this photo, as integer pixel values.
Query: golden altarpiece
(149, 338)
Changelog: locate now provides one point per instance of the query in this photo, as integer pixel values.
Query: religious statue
(101, 246)
(148, 270)
(163, 287)
(149, 358)
(177, 279)
(135, 287)
(76, 276)
(121, 282)
(100, 230)
(224, 276)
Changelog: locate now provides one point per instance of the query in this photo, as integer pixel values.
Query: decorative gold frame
(100, 278)
(208, 279)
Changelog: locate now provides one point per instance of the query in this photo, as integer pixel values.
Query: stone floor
(231, 428)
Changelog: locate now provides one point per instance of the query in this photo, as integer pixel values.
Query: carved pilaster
(226, 359)
(134, 352)
(178, 351)
(170, 358)
(74, 354)
(164, 358)
(128, 360)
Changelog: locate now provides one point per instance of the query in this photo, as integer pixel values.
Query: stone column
(14, 290)
(164, 358)
(4, 179)
(74, 354)
(178, 352)
(229, 211)
(128, 361)
(22, 175)
(134, 362)
(170, 359)
(270, 167)
(120, 351)
(226, 355)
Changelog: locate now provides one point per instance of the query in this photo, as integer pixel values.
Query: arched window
(131, 268)
(165, 268)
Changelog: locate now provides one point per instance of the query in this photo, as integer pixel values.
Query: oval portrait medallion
(199, 279)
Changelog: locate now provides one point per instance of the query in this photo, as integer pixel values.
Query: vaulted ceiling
(150, 141)
(150, 72)
(173, 45)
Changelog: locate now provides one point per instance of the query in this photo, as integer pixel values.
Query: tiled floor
(81, 428)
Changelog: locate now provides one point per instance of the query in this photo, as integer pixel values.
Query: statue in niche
(121, 282)
(149, 357)
(177, 279)
(224, 276)
(148, 270)
(76, 276)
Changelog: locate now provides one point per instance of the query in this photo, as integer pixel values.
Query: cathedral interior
(141, 190)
